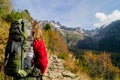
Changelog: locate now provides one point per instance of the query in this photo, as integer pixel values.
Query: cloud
(70, 13)
(106, 19)
(101, 16)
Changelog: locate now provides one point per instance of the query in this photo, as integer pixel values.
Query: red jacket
(40, 55)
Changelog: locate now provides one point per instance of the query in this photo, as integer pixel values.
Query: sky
(87, 14)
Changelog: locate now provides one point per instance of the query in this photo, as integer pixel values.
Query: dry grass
(70, 65)
(4, 30)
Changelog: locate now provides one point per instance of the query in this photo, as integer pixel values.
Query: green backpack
(16, 49)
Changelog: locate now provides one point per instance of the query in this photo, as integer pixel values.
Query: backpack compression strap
(22, 25)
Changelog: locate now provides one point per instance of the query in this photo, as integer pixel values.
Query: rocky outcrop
(57, 71)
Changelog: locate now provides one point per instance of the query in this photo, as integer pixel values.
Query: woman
(40, 60)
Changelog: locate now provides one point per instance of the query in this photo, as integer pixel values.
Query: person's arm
(42, 56)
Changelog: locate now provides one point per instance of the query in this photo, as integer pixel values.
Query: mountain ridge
(110, 32)
(70, 35)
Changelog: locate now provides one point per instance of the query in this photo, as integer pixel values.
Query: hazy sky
(87, 14)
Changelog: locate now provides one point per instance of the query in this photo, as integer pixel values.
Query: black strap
(39, 78)
(22, 50)
(22, 47)
(22, 22)
(6, 60)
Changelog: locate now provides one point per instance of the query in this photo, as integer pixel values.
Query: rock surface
(57, 71)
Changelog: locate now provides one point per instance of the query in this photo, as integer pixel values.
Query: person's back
(40, 55)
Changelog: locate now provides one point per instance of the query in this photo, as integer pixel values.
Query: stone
(57, 71)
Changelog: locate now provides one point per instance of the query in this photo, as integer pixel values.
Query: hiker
(40, 59)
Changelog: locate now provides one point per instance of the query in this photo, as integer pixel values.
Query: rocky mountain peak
(106, 38)
(55, 24)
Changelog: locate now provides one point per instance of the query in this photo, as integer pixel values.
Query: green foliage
(47, 26)
(1, 11)
(15, 15)
(63, 56)
(115, 59)
(82, 64)
(26, 15)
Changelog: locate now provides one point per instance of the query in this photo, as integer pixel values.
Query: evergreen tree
(47, 26)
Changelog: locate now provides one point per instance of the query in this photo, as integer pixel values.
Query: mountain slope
(62, 65)
(111, 39)
(107, 39)
(70, 35)
(55, 45)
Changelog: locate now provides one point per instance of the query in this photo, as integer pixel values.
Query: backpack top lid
(26, 22)
(27, 27)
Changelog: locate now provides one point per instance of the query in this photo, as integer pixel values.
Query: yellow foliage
(100, 64)
(72, 66)
(54, 42)
(4, 30)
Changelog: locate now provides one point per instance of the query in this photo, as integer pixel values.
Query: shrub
(13, 16)
(63, 56)
(47, 26)
(100, 66)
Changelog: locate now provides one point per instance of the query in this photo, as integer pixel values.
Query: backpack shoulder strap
(22, 25)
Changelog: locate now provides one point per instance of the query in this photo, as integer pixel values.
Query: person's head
(36, 30)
